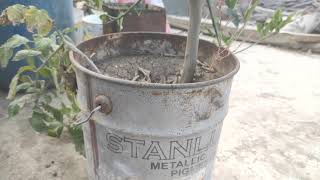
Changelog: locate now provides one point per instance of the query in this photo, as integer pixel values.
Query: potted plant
(156, 101)
(159, 99)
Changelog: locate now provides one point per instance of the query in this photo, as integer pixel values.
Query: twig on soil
(136, 76)
(146, 74)
(205, 66)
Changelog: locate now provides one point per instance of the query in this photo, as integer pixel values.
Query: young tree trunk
(191, 55)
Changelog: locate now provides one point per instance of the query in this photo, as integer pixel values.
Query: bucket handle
(78, 123)
(103, 104)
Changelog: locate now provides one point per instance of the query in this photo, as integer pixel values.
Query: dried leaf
(38, 20)
(15, 13)
(5, 56)
(13, 87)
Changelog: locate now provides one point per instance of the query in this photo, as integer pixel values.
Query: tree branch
(191, 54)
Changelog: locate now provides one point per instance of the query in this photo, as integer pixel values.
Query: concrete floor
(272, 131)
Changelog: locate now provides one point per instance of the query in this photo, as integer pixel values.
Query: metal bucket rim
(152, 85)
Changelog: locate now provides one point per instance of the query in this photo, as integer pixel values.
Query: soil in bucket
(153, 69)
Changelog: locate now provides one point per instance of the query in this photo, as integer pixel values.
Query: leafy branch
(53, 109)
(267, 29)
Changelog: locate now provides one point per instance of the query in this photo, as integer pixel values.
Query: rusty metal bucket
(151, 131)
(150, 19)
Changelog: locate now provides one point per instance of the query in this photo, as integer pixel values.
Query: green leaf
(120, 24)
(65, 110)
(15, 13)
(72, 98)
(23, 86)
(98, 3)
(13, 87)
(14, 82)
(13, 110)
(77, 138)
(37, 120)
(25, 69)
(248, 13)
(38, 20)
(44, 43)
(54, 128)
(57, 114)
(5, 55)
(235, 17)
(45, 72)
(47, 98)
(54, 74)
(15, 41)
(25, 78)
(19, 103)
(26, 53)
(231, 3)
(33, 90)
(226, 39)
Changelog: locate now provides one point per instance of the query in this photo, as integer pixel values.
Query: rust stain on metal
(142, 21)
(105, 103)
(93, 131)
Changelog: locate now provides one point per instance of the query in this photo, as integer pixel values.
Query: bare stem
(49, 57)
(76, 50)
(191, 54)
(214, 24)
(253, 44)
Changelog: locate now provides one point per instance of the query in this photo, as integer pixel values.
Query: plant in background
(53, 109)
(107, 18)
(226, 12)
(239, 14)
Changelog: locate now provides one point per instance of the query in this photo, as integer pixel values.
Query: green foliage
(231, 4)
(249, 11)
(53, 109)
(6, 49)
(77, 137)
(274, 25)
(241, 19)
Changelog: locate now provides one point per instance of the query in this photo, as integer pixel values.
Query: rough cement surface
(273, 127)
(26, 155)
(272, 131)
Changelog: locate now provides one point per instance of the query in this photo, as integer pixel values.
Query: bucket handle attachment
(103, 104)
(78, 123)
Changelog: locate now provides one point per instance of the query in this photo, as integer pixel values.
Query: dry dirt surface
(272, 131)
(26, 155)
